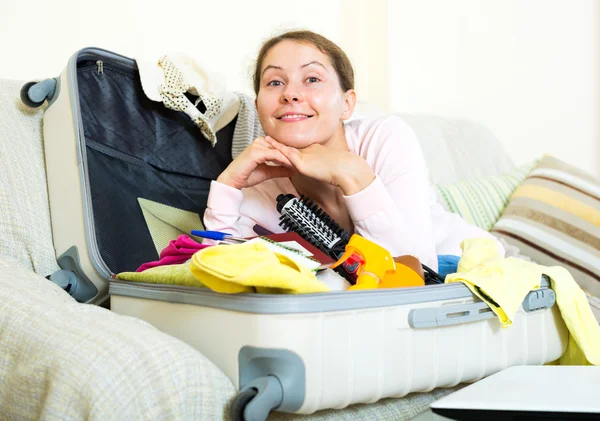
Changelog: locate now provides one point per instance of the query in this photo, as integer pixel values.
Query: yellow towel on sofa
(250, 267)
(506, 282)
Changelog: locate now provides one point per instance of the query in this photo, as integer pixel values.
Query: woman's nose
(291, 95)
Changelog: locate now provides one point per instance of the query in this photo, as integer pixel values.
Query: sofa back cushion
(554, 218)
(25, 231)
(457, 149)
(481, 200)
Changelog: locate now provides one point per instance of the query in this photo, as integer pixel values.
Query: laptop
(527, 393)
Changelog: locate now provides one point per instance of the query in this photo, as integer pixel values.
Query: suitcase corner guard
(269, 379)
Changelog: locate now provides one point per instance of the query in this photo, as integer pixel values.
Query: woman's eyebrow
(270, 66)
(313, 62)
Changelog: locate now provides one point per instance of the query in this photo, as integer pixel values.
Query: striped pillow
(554, 218)
(480, 201)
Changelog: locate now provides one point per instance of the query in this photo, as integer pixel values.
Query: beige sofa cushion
(25, 232)
(457, 149)
(63, 360)
(554, 218)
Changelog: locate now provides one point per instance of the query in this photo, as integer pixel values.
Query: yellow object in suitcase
(250, 267)
(377, 268)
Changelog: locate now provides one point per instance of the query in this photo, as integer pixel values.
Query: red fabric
(178, 251)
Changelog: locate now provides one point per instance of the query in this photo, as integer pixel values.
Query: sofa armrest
(63, 360)
(25, 231)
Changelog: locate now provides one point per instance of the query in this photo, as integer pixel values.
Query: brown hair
(339, 59)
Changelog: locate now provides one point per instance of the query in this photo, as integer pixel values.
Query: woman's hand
(257, 163)
(343, 169)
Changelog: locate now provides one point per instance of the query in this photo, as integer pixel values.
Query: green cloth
(166, 223)
(480, 201)
(168, 274)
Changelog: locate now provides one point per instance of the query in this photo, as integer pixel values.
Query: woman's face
(300, 101)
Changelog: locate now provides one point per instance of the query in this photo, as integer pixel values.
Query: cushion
(481, 200)
(457, 149)
(25, 230)
(68, 361)
(554, 218)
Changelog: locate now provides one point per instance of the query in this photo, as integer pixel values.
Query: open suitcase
(105, 146)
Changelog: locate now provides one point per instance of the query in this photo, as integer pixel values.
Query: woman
(368, 175)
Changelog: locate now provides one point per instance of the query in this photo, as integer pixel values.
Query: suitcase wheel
(34, 94)
(239, 403)
(257, 399)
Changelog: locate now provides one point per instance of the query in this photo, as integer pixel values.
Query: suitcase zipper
(100, 65)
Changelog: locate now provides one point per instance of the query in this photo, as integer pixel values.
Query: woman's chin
(294, 140)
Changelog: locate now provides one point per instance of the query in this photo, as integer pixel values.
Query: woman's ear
(349, 103)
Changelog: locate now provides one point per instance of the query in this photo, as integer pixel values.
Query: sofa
(60, 359)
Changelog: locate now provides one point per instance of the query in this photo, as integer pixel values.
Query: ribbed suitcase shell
(356, 347)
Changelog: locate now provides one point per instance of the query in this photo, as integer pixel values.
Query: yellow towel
(168, 274)
(506, 282)
(252, 266)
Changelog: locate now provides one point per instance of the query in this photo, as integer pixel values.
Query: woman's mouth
(294, 117)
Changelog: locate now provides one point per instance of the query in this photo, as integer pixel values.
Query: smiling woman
(369, 175)
(303, 90)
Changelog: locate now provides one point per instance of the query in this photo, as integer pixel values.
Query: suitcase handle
(423, 318)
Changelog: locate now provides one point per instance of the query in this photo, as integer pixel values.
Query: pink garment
(398, 210)
(178, 251)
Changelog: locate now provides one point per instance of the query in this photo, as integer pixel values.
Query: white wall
(37, 37)
(528, 69)
(364, 36)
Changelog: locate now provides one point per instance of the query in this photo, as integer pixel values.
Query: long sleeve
(238, 211)
(223, 209)
(394, 210)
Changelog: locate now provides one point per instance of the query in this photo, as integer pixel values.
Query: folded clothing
(447, 264)
(248, 267)
(177, 274)
(178, 251)
(181, 274)
(252, 267)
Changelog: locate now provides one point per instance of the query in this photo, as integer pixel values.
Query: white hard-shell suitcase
(304, 353)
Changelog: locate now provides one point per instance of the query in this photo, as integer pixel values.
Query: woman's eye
(313, 79)
(274, 83)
